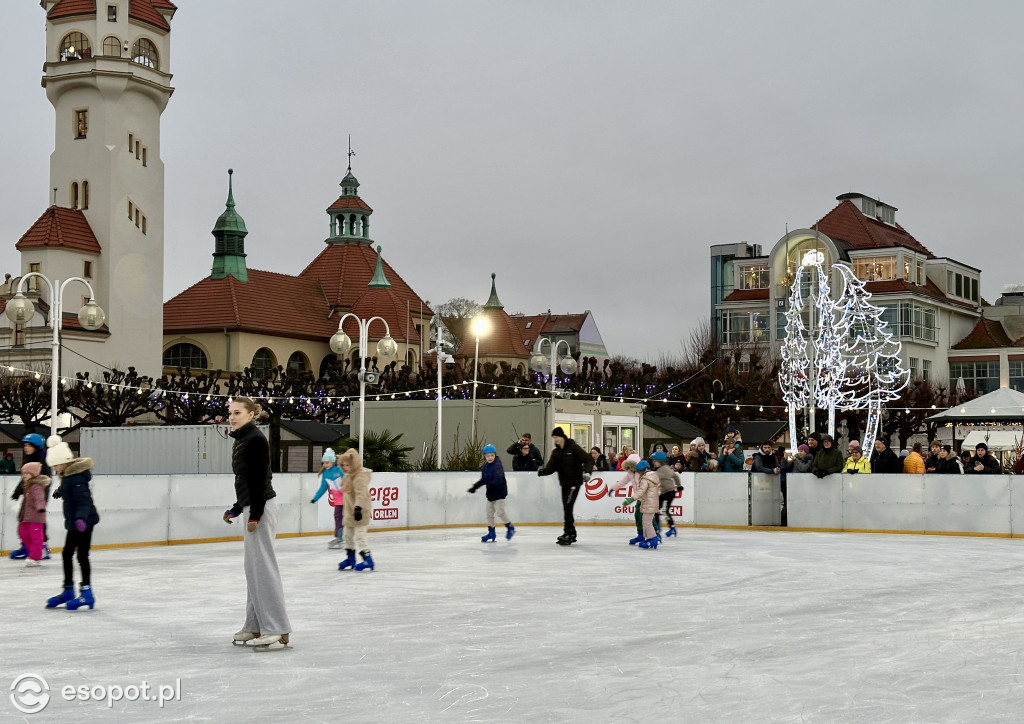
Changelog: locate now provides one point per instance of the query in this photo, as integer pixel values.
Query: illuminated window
(752, 277)
(74, 46)
(81, 123)
(144, 53)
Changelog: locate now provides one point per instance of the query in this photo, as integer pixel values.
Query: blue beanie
(659, 456)
(329, 456)
(642, 465)
(490, 449)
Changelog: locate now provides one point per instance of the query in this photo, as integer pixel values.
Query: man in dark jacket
(884, 460)
(829, 459)
(765, 460)
(983, 463)
(573, 465)
(525, 440)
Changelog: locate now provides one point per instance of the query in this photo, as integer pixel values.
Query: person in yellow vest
(857, 463)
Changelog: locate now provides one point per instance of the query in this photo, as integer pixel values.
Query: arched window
(328, 363)
(298, 362)
(85, 194)
(74, 194)
(184, 354)
(262, 363)
(410, 359)
(112, 46)
(144, 53)
(75, 46)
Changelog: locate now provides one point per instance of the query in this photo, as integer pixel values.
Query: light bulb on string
(712, 405)
(761, 408)
(689, 404)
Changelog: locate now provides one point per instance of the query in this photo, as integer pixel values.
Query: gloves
(80, 525)
(228, 515)
(41, 510)
(473, 489)
(358, 513)
(586, 477)
(15, 496)
(56, 494)
(629, 501)
(313, 500)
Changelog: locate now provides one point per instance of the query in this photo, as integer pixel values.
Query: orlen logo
(595, 489)
(385, 513)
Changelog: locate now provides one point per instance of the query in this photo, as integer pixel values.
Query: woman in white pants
(266, 621)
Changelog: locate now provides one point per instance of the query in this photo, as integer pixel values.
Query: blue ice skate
(19, 554)
(366, 563)
(639, 539)
(348, 562)
(671, 532)
(85, 598)
(489, 536)
(68, 594)
(510, 530)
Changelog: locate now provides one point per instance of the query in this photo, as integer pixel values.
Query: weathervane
(351, 153)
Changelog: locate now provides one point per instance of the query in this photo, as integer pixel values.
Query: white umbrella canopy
(1002, 405)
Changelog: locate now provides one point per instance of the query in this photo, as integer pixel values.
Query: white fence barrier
(138, 509)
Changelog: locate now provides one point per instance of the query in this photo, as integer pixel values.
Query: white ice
(714, 626)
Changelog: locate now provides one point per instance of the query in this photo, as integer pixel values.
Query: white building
(933, 304)
(107, 75)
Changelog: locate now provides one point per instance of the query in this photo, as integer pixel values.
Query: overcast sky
(589, 152)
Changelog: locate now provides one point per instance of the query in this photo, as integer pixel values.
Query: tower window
(33, 283)
(81, 123)
(87, 269)
(143, 224)
(131, 142)
(145, 156)
(85, 194)
(144, 53)
(111, 13)
(75, 46)
(112, 46)
(138, 217)
(138, 149)
(19, 335)
(131, 211)
(74, 194)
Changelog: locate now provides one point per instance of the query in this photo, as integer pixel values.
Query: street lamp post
(20, 311)
(480, 327)
(386, 348)
(539, 362)
(442, 359)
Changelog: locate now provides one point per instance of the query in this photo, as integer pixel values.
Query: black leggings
(569, 494)
(665, 501)
(80, 542)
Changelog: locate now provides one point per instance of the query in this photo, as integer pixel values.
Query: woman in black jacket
(266, 621)
(600, 461)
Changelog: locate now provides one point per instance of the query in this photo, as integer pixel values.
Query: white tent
(996, 440)
(1002, 405)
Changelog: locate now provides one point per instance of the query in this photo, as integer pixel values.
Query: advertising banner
(600, 502)
(388, 493)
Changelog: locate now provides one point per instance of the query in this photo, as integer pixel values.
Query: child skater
(330, 482)
(356, 487)
(32, 516)
(648, 492)
(631, 478)
(492, 474)
(80, 517)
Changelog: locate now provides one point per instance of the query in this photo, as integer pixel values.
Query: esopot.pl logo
(30, 693)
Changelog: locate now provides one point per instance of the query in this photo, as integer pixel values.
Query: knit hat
(328, 456)
(803, 448)
(558, 432)
(816, 436)
(981, 446)
(698, 441)
(57, 451)
(33, 469)
(948, 448)
(659, 456)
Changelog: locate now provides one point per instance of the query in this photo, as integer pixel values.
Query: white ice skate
(334, 543)
(242, 637)
(264, 643)
(32, 564)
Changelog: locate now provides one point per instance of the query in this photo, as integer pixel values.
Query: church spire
(379, 281)
(229, 248)
(350, 215)
(493, 302)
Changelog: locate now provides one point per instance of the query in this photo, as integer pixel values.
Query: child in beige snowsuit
(648, 492)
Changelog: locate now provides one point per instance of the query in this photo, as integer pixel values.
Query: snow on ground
(714, 626)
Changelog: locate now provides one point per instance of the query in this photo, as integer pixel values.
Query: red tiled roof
(549, 323)
(145, 11)
(894, 286)
(164, 4)
(987, 334)
(59, 226)
(505, 338)
(344, 270)
(747, 295)
(67, 8)
(846, 222)
(350, 202)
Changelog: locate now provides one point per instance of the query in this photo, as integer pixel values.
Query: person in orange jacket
(914, 463)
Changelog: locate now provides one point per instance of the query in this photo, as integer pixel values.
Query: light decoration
(853, 362)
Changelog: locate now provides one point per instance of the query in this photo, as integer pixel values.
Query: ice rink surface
(714, 626)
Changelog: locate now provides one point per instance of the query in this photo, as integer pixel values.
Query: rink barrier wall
(139, 510)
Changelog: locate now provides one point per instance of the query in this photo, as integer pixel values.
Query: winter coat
(38, 455)
(913, 464)
(862, 465)
(803, 464)
(74, 490)
(330, 483)
(356, 487)
(7, 465)
(250, 462)
(493, 476)
(765, 463)
(601, 463)
(35, 501)
(885, 462)
(648, 490)
(829, 460)
(932, 464)
(733, 462)
(570, 462)
(991, 465)
(522, 462)
(952, 465)
(698, 461)
(668, 479)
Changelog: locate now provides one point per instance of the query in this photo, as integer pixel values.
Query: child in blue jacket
(492, 474)
(330, 483)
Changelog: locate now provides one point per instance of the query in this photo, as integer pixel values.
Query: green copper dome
(230, 220)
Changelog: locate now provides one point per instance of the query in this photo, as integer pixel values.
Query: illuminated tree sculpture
(852, 363)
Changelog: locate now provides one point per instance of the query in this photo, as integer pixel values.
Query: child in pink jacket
(33, 512)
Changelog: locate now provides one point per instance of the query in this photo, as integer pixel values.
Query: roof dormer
(872, 208)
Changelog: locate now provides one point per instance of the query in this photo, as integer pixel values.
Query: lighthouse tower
(107, 75)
